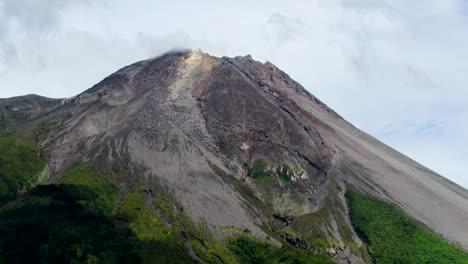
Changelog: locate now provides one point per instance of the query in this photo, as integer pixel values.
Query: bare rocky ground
(195, 124)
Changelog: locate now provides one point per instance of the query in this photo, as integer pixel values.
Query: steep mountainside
(235, 144)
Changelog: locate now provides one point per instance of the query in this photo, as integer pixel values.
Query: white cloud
(396, 68)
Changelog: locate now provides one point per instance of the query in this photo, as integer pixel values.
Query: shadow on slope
(53, 224)
(79, 221)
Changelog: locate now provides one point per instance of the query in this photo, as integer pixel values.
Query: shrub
(20, 165)
(250, 250)
(259, 170)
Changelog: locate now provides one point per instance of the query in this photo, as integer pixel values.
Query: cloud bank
(397, 69)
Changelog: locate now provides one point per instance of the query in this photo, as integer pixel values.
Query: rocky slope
(237, 143)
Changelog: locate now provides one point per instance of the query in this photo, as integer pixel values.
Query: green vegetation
(51, 225)
(308, 227)
(204, 245)
(20, 165)
(393, 237)
(241, 248)
(3, 123)
(88, 176)
(151, 238)
(212, 251)
(285, 173)
(276, 187)
(155, 241)
(338, 209)
(75, 222)
(252, 251)
(259, 170)
(84, 218)
(262, 169)
(43, 129)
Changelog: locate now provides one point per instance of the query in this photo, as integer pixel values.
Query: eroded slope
(238, 143)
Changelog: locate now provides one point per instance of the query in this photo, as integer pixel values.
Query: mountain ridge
(198, 125)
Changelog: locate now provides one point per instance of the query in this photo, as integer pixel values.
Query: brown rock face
(196, 124)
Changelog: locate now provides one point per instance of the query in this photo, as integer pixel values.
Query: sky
(397, 69)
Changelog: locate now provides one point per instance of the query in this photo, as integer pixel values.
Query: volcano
(237, 146)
